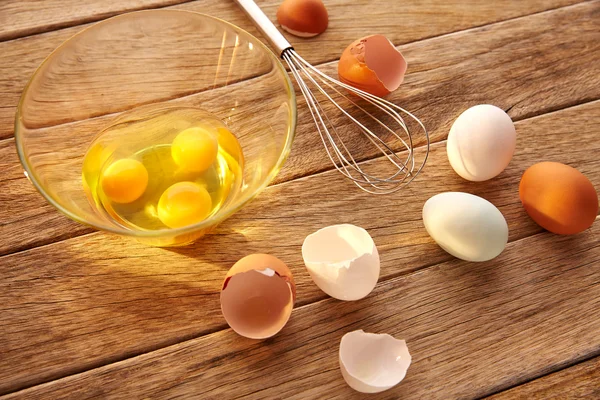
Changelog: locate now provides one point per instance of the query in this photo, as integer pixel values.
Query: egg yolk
(184, 203)
(195, 149)
(124, 181)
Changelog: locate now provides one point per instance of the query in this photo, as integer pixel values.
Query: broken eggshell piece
(342, 260)
(258, 296)
(372, 64)
(372, 363)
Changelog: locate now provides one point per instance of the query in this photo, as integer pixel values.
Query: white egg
(372, 363)
(481, 142)
(342, 260)
(466, 226)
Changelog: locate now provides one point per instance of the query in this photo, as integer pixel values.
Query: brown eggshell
(372, 64)
(258, 296)
(304, 18)
(558, 198)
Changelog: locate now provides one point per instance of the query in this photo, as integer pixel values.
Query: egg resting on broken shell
(372, 363)
(303, 18)
(257, 296)
(342, 260)
(372, 64)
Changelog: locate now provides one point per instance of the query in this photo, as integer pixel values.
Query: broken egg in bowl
(258, 296)
(372, 363)
(342, 260)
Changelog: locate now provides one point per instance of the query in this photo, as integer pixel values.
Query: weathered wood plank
(472, 329)
(418, 20)
(526, 66)
(26, 218)
(98, 298)
(27, 17)
(538, 64)
(581, 381)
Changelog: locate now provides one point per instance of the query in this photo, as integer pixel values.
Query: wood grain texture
(26, 17)
(158, 58)
(70, 308)
(472, 329)
(26, 218)
(418, 20)
(98, 298)
(526, 66)
(581, 381)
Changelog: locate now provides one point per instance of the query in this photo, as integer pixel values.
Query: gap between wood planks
(578, 381)
(161, 346)
(37, 30)
(328, 61)
(425, 35)
(321, 63)
(83, 20)
(69, 236)
(325, 167)
(563, 366)
(143, 353)
(203, 333)
(324, 63)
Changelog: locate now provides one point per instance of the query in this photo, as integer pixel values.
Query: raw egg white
(558, 198)
(342, 260)
(466, 226)
(481, 142)
(304, 18)
(372, 64)
(258, 296)
(372, 363)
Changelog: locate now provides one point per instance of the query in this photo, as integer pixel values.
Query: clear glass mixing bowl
(164, 57)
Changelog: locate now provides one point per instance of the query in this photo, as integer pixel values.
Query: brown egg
(258, 296)
(372, 64)
(558, 198)
(304, 18)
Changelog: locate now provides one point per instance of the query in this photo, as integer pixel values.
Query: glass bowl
(143, 59)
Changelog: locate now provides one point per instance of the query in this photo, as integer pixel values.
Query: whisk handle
(264, 24)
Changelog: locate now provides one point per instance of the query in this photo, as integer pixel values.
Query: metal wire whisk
(316, 85)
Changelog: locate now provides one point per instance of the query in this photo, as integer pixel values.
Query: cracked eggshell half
(342, 260)
(257, 296)
(465, 225)
(372, 64)
(372, 363)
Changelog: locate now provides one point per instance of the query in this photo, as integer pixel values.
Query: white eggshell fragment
(465, 225)
(342, 260)
(372, 363)
(481, 142)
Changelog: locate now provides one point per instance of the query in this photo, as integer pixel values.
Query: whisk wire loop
(338, 152)
(353, 168)
(406, 168)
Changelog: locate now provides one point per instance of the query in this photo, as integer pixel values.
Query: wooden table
(89, 315)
